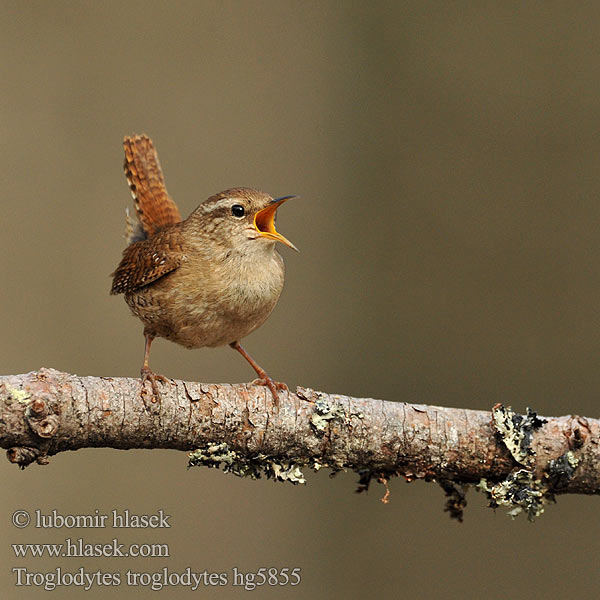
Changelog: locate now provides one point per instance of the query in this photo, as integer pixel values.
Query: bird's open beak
(264, 221)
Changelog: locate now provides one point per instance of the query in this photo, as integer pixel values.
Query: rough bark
(239, 428)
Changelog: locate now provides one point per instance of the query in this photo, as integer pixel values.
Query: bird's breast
(214, 305)
(250, 287)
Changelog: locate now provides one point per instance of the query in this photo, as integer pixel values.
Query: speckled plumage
(209, 280)
(195, 283)
(153, 206)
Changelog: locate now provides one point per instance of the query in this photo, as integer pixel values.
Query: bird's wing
(154, 207)
(146, 261)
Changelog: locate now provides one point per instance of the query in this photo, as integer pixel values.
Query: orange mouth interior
(264, 221)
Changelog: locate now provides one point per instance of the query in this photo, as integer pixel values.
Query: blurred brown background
(447, 158)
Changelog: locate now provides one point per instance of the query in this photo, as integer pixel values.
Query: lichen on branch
(514, 458)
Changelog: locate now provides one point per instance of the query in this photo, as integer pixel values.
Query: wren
(205, 281)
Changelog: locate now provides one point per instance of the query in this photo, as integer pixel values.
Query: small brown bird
(207, 281)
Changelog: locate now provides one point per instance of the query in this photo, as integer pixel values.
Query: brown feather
(154, 207)
(146, 261)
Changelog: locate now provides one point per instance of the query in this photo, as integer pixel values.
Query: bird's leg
(147, 374)
(263, 378)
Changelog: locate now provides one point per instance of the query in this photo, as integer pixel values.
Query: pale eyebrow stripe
(211, 206)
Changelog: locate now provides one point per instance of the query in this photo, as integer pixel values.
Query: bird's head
(241, 217)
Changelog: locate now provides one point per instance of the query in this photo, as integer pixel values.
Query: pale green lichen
(561, 470)
(520, 492)
(516, 432)
(326, 411)
(13, 394)
(287, 472)
(483, 486)
(572, 459)
(568, 458)
(221, 456)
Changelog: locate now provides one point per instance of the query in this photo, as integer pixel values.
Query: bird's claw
(274, 386)
(148, 375)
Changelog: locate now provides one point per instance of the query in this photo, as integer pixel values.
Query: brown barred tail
(153, 205)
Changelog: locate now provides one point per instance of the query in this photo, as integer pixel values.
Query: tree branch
(518, 460)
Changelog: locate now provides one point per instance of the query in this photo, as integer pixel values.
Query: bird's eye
(237, 210)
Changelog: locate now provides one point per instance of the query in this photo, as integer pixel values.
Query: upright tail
(154, 207)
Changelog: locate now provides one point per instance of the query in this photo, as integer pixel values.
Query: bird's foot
(148, 375)
(274, 386)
